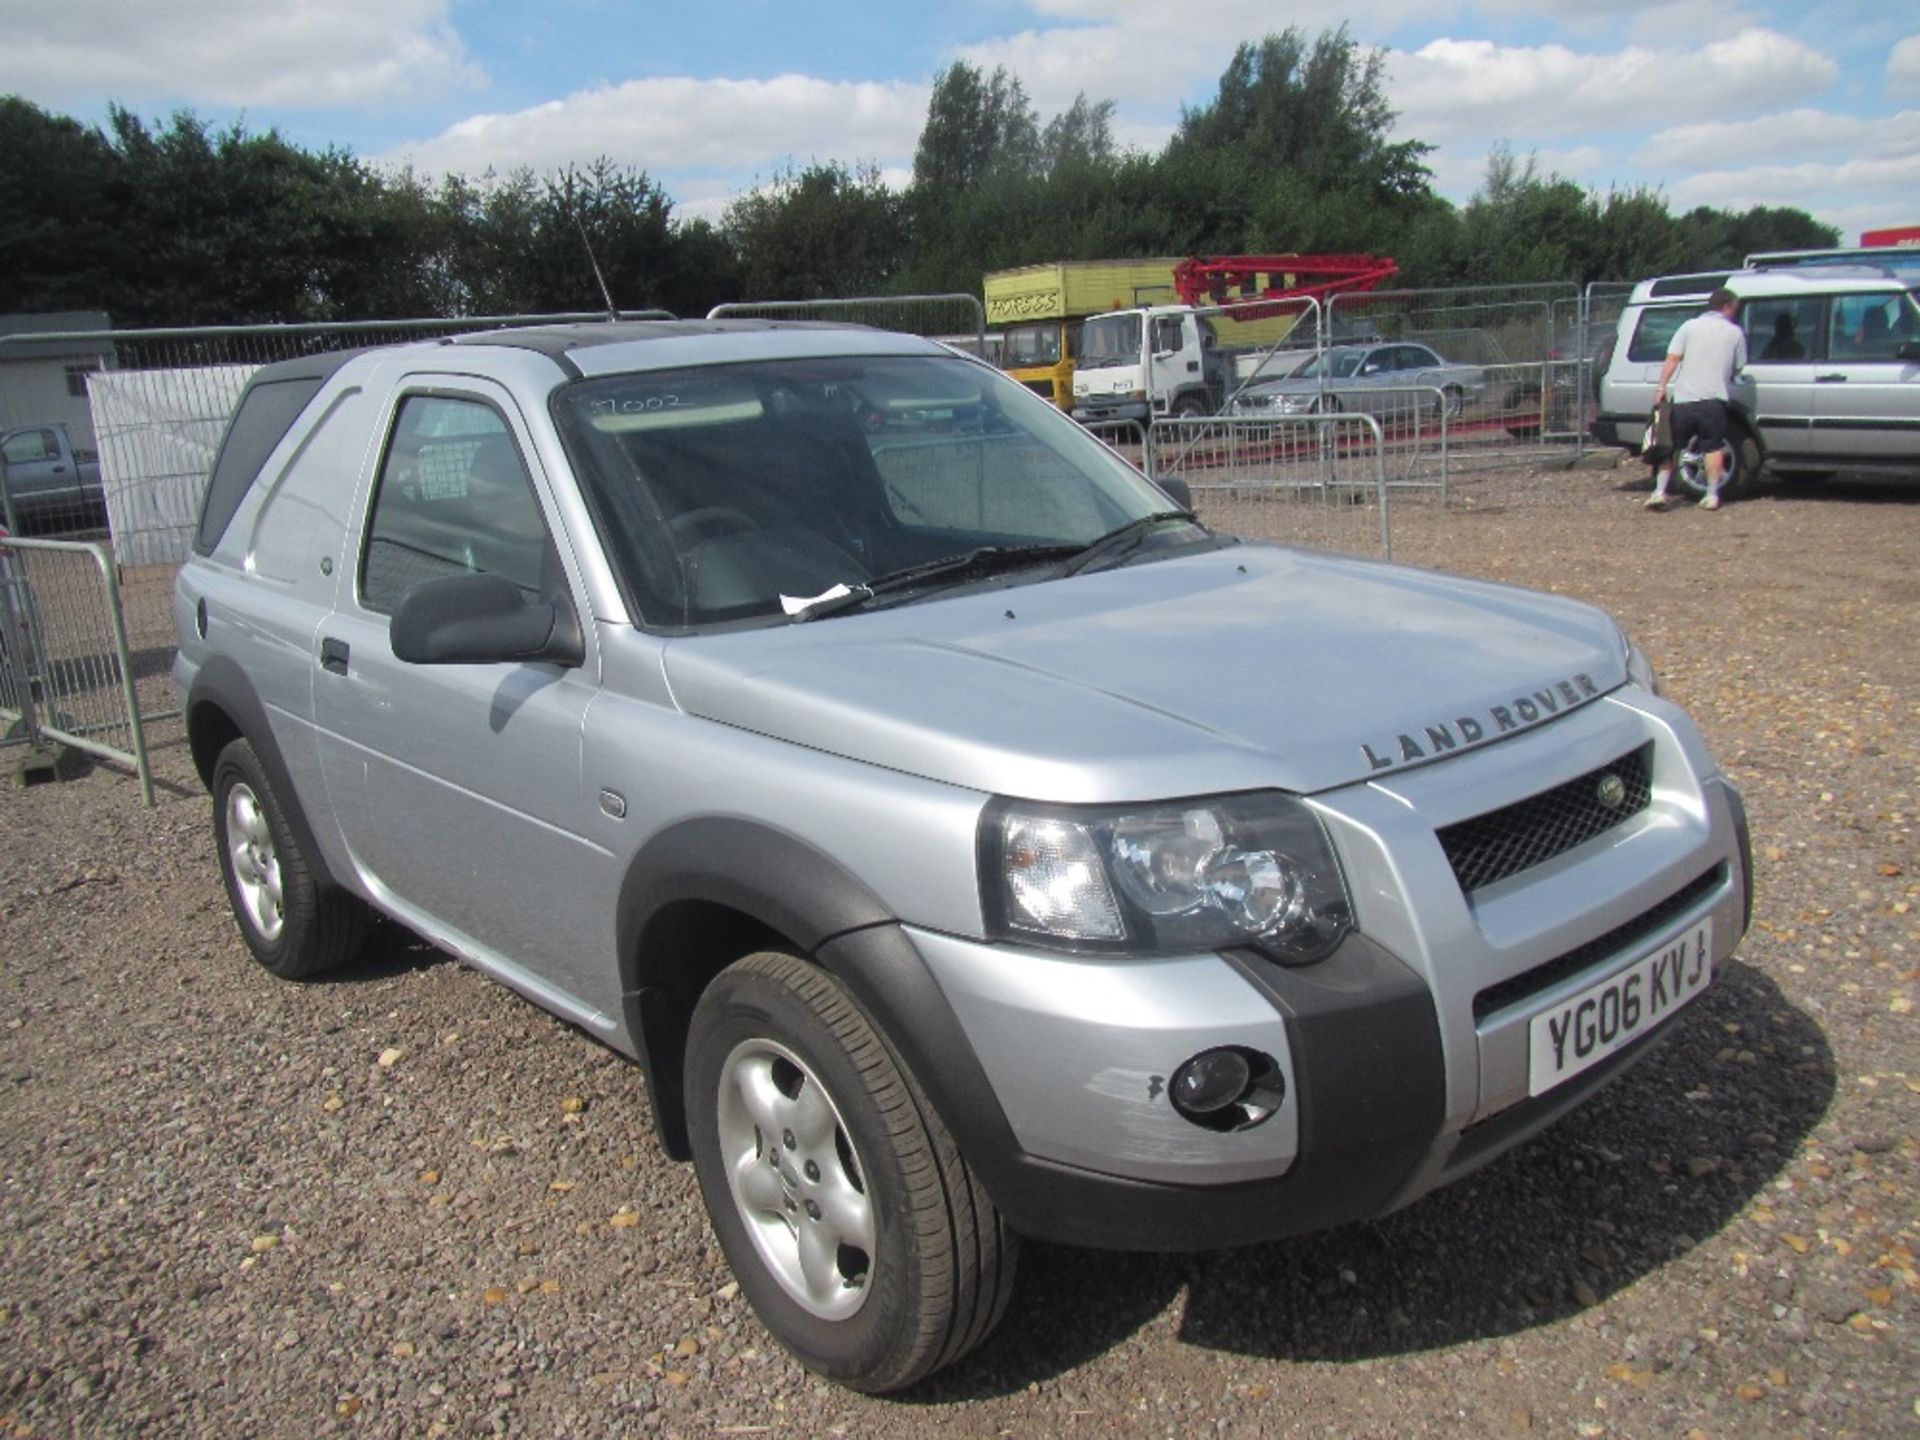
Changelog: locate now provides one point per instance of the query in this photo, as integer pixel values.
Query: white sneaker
(1709, 501)
(1656, 501)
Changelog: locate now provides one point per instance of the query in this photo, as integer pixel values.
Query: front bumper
(1098, 411)
(1404, 1055)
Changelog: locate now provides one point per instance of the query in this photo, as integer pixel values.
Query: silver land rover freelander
(967, 842)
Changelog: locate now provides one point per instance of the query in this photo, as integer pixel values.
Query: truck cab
(1142, 364)
(1040, 355)
(46, 481)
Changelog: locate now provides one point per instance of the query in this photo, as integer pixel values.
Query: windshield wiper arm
(970, 565)
(1124, 541)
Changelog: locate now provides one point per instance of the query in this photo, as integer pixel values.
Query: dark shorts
(1701, 424)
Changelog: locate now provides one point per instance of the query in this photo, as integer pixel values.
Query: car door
(1867, 399)
(1784, 340)
(458, 788)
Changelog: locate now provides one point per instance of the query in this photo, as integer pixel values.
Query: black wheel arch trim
(221, 687)
(769, 876)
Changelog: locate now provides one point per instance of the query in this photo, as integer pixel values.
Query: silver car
(1833, 368)
(1396, 380)
(966, 841)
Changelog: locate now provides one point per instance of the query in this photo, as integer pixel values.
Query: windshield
(725, 491)
(1031, 345)
(1334, 365)
(1110, 340)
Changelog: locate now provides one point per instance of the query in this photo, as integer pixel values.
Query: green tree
(819, 232)
(976, 124)
(62, 246)
(1318, 111)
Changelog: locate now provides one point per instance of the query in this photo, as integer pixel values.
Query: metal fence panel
(63, 645)
(1315, 480)
(959, 320)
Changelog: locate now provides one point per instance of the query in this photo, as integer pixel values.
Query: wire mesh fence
(67, 673)
(960, 320)
(1316, 480)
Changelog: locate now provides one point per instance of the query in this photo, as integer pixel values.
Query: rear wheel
(294, 925)
(849, 1217)
(1742, 466)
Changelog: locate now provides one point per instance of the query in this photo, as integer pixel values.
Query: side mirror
(1176, 490)
(483, 619)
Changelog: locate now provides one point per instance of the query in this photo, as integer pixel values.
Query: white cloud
(1822, 189)
(1903, 68)
(1453, 88)
(1794, 135)
(292, 54)
(683, 126)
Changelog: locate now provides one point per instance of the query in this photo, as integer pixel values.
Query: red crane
(1276, 284)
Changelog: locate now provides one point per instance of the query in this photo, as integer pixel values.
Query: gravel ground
(406, 1203)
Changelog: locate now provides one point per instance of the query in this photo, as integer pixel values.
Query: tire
(1743, 465)
(1189, 405)
(803, 1122)
(295, 926)
(1326, 405)
(1453, 401)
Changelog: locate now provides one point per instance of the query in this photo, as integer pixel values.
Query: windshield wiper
(1117, 544)
(948, 569)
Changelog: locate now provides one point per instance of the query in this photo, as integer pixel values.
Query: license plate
(1606, 1017)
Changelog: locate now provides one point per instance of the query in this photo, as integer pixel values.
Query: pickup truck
(46, 482)
(968, 842)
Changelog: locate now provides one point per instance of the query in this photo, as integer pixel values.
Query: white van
(1833, 366)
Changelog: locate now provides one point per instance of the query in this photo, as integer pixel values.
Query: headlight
(1639, 668)
(1253, 870)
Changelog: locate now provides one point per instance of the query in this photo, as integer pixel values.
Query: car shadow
(391, 951)
(1647, 1170)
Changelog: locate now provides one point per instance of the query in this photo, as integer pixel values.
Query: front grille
(1504, 842)
(1550, 972)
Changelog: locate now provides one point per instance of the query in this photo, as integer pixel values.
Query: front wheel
(852, 1222)
(1189, 405)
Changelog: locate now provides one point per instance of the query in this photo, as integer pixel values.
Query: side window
(1166, 334)
(1866, 327)
(454, 498)
(29, 445)
(1418, 357)
(1781, 330)
(1654, 331)
(77, 373)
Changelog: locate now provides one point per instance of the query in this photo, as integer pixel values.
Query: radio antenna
(612, 312)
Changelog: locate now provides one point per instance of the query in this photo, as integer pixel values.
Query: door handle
(333, 655)
(1829, 379)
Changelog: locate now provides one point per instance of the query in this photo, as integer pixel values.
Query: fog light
(1210, 1081)
(1227, 1089)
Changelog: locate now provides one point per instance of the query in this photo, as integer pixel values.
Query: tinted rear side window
(267, 411)
(1655, 332)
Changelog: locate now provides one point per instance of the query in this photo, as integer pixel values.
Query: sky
(1727, 103)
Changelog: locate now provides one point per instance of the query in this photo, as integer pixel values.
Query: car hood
(1248, 667)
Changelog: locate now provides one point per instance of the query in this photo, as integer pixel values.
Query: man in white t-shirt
(1702, 360)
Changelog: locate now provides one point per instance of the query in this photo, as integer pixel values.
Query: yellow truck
(1037, 309)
